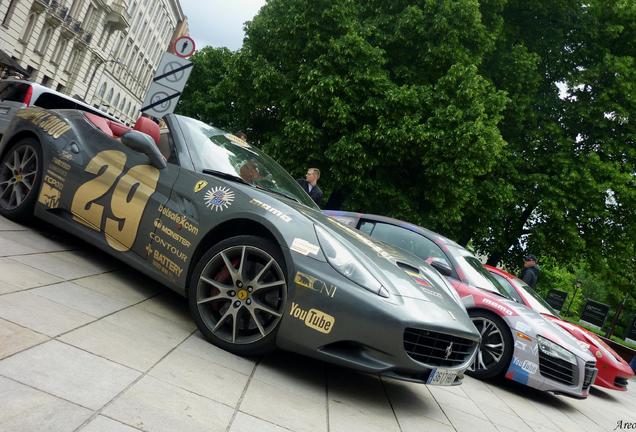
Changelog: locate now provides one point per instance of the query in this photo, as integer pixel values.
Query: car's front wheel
(237, 294)
(495, 348)
(20, 178)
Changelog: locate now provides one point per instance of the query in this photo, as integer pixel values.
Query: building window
(46, 80)
(59, 50)
(7, 16)
(76, 8)
(60, 88)
(89, 16)
(128, 107)
(70, 64)
(116, 101)
(110, 95)
(45, 38)
(102, 90)
(33, 17)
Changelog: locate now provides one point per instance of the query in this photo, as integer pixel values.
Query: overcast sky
(219, 22)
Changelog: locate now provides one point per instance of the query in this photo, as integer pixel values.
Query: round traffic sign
(184, 46)
(163, 105)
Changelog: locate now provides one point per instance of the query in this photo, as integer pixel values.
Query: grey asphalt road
(89, 344)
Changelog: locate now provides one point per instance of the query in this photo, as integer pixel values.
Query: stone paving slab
(88, 344)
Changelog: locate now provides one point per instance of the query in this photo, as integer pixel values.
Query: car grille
(590, 371)
(433, 349)
(620, 382)
(556, 369)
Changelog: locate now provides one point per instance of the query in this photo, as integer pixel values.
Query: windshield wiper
(276, 192)
(226, 176)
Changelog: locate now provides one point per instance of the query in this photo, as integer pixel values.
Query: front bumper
(374, 334)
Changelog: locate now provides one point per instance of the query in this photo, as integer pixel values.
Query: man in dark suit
(310, 185)
(530, 272)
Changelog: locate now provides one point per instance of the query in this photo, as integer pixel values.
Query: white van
(18, 94)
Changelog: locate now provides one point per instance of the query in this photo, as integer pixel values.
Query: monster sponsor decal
(200, 185)
(49, 122)
(171, 233)
(307, 281)
(313, 318)
(270, 209)
(304, 247)
(219, 198)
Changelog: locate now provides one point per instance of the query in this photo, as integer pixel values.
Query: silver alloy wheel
(241, 294)
(17, 175)
(492, 346)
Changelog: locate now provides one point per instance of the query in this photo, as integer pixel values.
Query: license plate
(441, 377)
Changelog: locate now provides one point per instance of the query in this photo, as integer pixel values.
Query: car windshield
(535, 301)
(474, 272)
(225, 153)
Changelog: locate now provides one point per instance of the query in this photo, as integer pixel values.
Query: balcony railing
(117, 15)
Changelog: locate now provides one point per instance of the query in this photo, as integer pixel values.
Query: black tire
(240, 310)
(20, 179)
(490, 360)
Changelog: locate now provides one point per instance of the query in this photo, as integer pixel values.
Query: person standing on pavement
(530, 272)
(309, 184)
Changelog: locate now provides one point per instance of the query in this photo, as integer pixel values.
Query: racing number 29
(130, 196)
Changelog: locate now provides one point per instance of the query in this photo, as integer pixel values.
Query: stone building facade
(104, 52)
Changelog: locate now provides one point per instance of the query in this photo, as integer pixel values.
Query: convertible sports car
(218, 221)
(516, 341)
(613, 372)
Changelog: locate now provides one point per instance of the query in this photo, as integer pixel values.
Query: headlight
(346, 264)
(584, 346)
(553, 350)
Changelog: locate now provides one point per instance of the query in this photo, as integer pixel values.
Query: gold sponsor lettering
(53, 182)
(170, 233)
(49, 196)
(167, 263)
(168, 246)
(315, 284)
(48, 122)
(180, 220)
(62, 164)
(313, 318)
(55, 174)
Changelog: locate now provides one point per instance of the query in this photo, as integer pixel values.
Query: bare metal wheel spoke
(27, 157)
(16, 159)
(259, 286)
(241, 294)
(492, 347)
(230, 268)
(18, 172)
(256, 320)
(262, 272)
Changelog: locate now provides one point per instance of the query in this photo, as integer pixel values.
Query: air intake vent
(407, 267)
(556, 369)
(590, 373)
(437, 349)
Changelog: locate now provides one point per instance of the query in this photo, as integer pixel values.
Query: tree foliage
(506, 123)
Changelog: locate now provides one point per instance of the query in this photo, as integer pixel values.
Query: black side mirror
(142, 143)
(441, 266)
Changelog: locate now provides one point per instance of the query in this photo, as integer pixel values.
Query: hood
(403, 274)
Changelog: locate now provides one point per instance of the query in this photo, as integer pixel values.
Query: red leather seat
(149, 127)
(118, 129)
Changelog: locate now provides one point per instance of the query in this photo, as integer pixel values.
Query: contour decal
(307, 281)
(219, 198)
(270, 209)
(200, 185)
(313, 318)
(304, 247)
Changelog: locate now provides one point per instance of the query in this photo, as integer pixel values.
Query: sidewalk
(89, 344)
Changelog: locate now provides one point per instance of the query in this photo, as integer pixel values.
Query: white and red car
(516, 341)
(613, 372)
